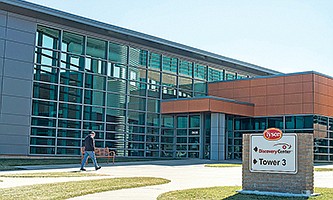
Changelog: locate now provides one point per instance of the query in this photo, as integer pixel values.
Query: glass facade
(82, 83)
(320, 126)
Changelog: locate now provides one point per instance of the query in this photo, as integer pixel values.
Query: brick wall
(278, 182)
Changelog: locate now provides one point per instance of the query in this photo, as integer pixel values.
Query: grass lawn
(51, 175)
(223, 165)
(71, 189)
(229, 192)
(9, 163)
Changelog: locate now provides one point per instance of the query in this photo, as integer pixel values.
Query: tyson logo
(272, 134)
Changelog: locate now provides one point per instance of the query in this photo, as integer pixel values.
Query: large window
(83, 83)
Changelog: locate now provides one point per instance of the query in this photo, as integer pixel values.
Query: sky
(283, 35)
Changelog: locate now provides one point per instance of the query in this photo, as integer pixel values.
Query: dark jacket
(89, 143)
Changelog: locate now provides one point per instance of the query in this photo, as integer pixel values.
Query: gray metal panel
(2, 32)
(7, 129)
(16, 87)
(14, 139)
(2, 19)
(18, 150)
(19, 51)
(14, 119)
(2, 48)
(21, 24)
(18, 69)
(16, 105)
(20, 36)
(1, 66)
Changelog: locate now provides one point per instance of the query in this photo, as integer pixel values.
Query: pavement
(184, 174)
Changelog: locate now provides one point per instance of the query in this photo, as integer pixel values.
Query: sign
(273, 153)
(272, 134)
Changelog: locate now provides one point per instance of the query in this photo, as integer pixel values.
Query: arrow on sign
(255, 149)
(255, 161)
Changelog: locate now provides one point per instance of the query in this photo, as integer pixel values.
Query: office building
(63, 75)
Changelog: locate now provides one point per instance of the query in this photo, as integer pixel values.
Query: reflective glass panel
(117, 53)
(116, 70)
(136, 118)
(200, 86)
(96, 126)
(154, 77)
(73, 78)
(115, 115)
(185, 68)
(182, 122)
(69, 133)
(116, 85)
(42, 150)
(200, 71)
(43, 132)
(136, 103)
(185, 83)
(46, 74)
(70, 111)
(230, 76)
(194, 121)
(137, 74)
(93, 113)
(169, 80)
(96, 48)
(93, 97)
(70, 94)
(137, 88)
(170, 64)
(43, 122)
(169, 93)
(46, 57)
(45, 91)
(138, 57)
(69, 123)
(47, 37)
(168, 121)
(215, 74)
(153, 105)
(154, 60)
(115, 127)
(95, 66)
(73, 62)
(115, 100)
(154, 91)
(153, 119)
(95, 81)
(44, 108)
(42, 141)
(72, 43)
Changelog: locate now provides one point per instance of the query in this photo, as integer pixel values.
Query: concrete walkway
(183, 174)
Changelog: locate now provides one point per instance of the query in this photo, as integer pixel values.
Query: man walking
(89, 150)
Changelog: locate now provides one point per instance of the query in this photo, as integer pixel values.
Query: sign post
(278, 164)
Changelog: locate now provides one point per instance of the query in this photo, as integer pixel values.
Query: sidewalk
(183, 174)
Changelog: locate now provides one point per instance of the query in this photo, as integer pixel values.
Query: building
(63, 75)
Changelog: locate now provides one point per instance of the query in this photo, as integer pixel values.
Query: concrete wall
(297, 183)
(17, 39)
